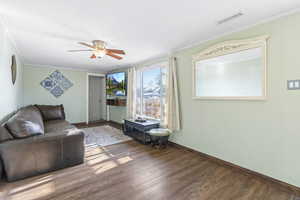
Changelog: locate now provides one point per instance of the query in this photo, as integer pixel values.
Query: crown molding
(153, 60)
(89, 70)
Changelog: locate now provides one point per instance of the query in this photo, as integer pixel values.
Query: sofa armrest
(1, 170)
(39, 154)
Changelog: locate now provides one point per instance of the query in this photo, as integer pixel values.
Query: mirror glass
(239, 74)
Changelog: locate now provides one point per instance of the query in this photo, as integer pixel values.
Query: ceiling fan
(98, 48)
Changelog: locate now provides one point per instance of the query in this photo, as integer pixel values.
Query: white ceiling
(45, 30)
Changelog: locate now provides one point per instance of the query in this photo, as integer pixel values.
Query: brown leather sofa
(38, 139)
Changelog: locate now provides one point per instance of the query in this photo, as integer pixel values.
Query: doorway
(96, 101)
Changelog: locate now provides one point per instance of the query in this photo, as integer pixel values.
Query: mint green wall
(74, 99)
(11, 95)
(263, 136)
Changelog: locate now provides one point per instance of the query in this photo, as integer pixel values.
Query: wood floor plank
(114, 181)
(132, 171)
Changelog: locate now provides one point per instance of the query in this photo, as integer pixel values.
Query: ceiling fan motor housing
(99, 44)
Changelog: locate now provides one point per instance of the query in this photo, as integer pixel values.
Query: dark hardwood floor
(134, 171)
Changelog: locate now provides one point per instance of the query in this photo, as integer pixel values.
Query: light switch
(293, 84)
(297, 84)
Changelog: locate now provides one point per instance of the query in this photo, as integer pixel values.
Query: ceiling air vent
(227, 19)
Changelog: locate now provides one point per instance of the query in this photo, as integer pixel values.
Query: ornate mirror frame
(13, 69)
(229, 47)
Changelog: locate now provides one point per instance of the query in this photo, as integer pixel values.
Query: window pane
(151, 93)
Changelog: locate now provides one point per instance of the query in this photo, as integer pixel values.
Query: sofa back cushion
(52, 112)
(4, 134)
(26, 122)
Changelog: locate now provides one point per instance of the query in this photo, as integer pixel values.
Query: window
(151, 92)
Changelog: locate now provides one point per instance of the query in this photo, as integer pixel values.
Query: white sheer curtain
(131, 93)
(173, 119)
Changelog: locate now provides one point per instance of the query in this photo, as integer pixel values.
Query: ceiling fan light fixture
(100, 53)
(93, 56)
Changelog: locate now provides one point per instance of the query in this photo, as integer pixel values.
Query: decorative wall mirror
(13, 69)
(231, 70)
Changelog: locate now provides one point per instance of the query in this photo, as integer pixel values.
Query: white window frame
(141, 71)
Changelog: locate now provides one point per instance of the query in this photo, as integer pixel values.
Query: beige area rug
(104, 135)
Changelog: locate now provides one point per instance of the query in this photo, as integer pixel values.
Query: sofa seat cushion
(57, 125)
(4, 134)
(26, 122)
(52, 112)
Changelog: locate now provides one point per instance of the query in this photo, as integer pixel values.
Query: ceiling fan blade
(87, 45)
(80, 50)
(113, 55)
(93, 56)
(117, 51)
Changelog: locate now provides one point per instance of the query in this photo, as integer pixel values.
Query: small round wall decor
(13, 69)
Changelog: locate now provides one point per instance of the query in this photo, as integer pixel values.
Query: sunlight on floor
(105, 161)
(104, 167)
(93, 151)
(33, 191)
(31, 185)
(97, 159)
(124, 160)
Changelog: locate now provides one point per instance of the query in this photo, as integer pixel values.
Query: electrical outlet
(293, 84)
